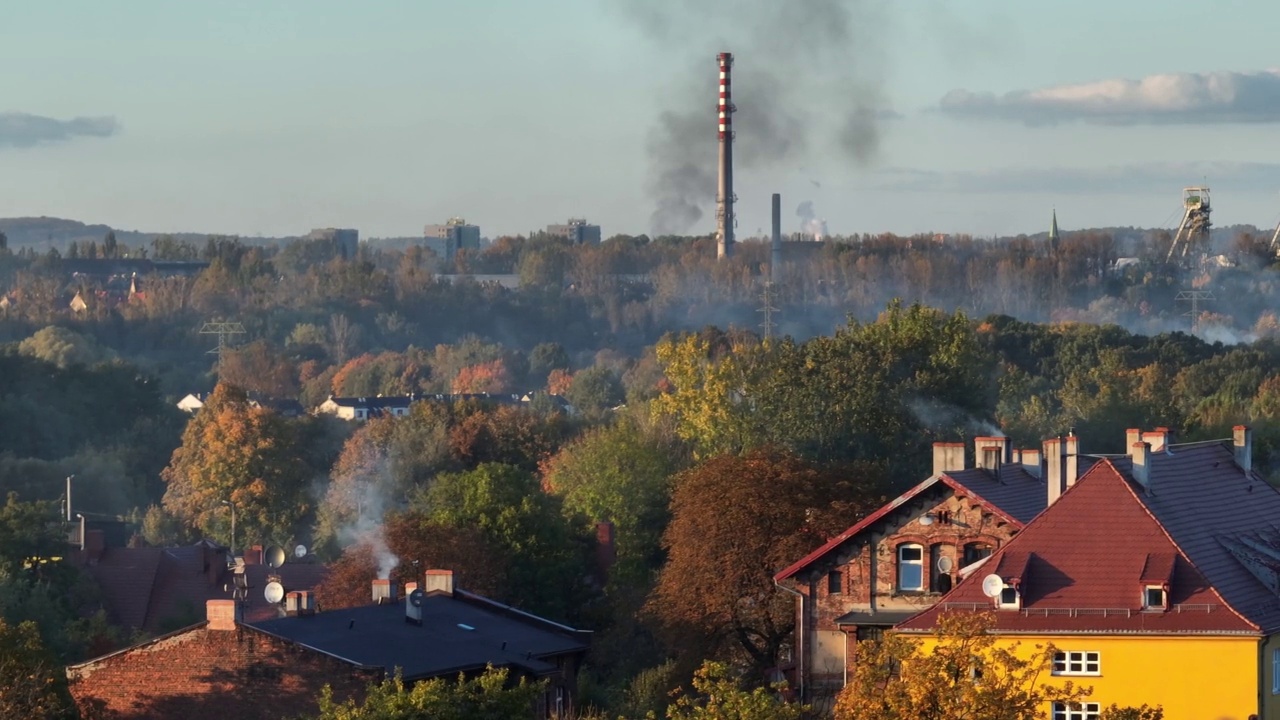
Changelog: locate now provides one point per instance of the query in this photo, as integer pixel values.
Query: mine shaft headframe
(1196, 223)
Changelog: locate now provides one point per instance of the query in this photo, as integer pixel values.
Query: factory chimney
(724, 194)
(775, 259)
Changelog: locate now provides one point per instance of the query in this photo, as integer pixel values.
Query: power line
(225, 331)
(1195, 297)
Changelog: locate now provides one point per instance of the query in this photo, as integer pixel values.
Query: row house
(904, 557)
(1156, 578)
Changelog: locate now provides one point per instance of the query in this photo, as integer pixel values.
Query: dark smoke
(807, 82)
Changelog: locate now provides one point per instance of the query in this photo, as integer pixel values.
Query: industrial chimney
(775, 259)
(724, 193)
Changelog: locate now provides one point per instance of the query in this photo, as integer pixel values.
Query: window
(835, 582)
(876, 633)
(1076, 711)
(973, 552)
(910, 568)
(1153, 598)
(1275, 672)
(1077, 663)
(1009, 598)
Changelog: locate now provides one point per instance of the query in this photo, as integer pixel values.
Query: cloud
(26, 130)
(1119, 179)
(1178, 98)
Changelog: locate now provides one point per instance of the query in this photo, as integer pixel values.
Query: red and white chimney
(725, 198)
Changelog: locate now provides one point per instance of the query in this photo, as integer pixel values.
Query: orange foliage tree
(486, 377)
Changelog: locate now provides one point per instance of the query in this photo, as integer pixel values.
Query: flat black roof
(457, 633)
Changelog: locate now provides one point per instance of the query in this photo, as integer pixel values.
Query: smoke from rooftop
(807, 83)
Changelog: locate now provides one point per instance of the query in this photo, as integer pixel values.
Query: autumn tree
(259, 368)
(508, 434)
(486, 377)
(961, 673)
(249, 456)
(739, 519)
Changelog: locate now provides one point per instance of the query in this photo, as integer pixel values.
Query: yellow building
(1156, 577)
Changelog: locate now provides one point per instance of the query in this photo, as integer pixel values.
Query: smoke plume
(810, 223)
(807, 79)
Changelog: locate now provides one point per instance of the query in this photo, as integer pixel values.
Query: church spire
(1053, 229)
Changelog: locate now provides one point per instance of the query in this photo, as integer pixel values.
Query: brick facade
(203, 673)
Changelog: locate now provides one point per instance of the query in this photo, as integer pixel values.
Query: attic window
(835, 582)
(1155, 598)
(1009, 598)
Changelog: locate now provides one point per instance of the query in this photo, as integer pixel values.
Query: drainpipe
(799, 637)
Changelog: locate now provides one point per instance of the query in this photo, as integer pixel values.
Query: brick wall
(216, 675)
(871, 573)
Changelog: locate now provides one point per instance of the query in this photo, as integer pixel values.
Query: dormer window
(1154, 597)
(1010, 599)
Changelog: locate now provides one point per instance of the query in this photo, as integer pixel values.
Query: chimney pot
(1053, 469)
(384, 591)
(1242, 444)
(223, 614)
(439, 582)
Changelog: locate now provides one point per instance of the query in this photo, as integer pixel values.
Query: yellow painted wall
(1193, 678)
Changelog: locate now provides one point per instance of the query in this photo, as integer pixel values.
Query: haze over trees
(646, 396)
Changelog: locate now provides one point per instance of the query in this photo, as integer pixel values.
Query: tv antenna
(225, 331)
(1195, 297)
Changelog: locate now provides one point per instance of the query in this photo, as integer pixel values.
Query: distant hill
(43, 233)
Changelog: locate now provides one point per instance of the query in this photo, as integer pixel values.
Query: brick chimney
(606, 549)
(252, 555)
(1072, 465)
(1031, 461)
(439, 582)
(384, 591)
(95, 544)
(1141, 454)
(991, 452)
(1242, 444)
(222, 614)
(1159, 439)
(948, 457)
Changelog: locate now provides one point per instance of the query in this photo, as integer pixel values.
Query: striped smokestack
(724, 193)
(775, 259)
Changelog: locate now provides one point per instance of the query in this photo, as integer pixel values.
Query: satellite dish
(300, 551)
(945, 564)
(274, 592)
(275, 556)
(992, 585)
(416, 597)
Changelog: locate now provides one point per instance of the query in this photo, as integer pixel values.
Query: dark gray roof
(1208, 504)
(1016, 492)
(865, 618)
(458, 633)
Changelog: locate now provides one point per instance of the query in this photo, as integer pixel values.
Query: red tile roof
(1012, 483)
(1082, 563)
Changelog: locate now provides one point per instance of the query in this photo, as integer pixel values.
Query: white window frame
(1146, 597)
(1017, 598)
(1076, 711)
(918, 563)
(1275, 671)
(1077, 663)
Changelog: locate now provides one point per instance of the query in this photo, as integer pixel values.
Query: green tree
(110, 248)
(738, 519)
(595, 390)
(507, 505)
(32, 683)
(64, 347)
(489, 696)
(963, 675)
(621, 473)
(544, 358)
(718, 696)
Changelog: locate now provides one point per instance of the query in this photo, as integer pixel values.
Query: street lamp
(232, 505)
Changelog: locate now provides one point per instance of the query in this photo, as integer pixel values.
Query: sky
(271, 117)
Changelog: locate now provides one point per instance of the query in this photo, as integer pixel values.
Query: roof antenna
(351, 625)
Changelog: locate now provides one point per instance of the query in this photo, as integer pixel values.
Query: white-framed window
(1076, 711)
(1275, 671)
(1154, 598)
(911, 567)
(1077, 663)
(1010, 599)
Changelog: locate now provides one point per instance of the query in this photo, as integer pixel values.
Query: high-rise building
(456, 234)
(576, 230)
(346, 239)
